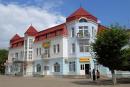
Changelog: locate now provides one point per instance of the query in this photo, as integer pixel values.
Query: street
(8, 81)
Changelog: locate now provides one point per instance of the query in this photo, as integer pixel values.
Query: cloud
(16, 19)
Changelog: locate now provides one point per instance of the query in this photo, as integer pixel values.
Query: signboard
(46, 44)
(84, 60)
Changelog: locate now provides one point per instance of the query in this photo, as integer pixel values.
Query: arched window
(82, 20)
(38, 68)
(56, 67)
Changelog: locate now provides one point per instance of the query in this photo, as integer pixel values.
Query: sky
(17, 15)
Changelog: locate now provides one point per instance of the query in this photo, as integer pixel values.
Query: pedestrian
(90, 72)
(94, 76)
(98, 74)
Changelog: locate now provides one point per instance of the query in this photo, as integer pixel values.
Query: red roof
(16, 41)
(31, 31)
(52, 32)
(101, 28)
(81, 12)
(15, 37)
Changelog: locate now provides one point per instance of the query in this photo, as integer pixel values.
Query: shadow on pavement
(102, 82)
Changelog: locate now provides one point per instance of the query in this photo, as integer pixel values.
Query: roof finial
(80, 4)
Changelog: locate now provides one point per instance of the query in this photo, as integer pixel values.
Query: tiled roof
(52, 32)
(101, 28)
(81, 12)
(15, 37)
(31, 31)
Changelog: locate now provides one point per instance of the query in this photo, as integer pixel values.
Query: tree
(108, 48)
(3, 58)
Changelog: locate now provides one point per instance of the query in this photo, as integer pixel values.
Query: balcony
(82, 36)
(17, 60)
(45, 56)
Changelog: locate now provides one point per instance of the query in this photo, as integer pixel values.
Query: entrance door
(46, 70)
(86, 69)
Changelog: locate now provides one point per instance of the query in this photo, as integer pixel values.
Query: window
(72, 66)
(37, 51)
(83, 42)
(84, 48)
(56, 67)
(40, 51)
(73, 48)
(26, 54)
(83, 31)
(25, 44)
(72, 32)
(93, 32)
(38, 68)
(58, 48)
(16, 55)
(86, 33)
(82, 67)
(30, 55)
(47, 52)
(30, 43)
(54, 48)
(21, 54)
(46, 67)
(84, 45)
(82, 20)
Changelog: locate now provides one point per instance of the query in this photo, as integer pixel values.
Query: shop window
(56, 67)
(72, 66)
(38, 68)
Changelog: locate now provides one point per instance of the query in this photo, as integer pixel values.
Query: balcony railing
(17, 59)
(81, 36)
(45, 56)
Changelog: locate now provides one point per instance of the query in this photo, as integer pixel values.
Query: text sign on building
(84, 59)
(46, 44)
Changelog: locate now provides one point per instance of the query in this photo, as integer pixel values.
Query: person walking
(89, 72)
(98, 74)
(94, 76)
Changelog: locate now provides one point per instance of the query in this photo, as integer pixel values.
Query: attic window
(82, 20)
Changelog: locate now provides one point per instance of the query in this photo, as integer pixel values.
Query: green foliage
(126, 59)
(3, 58)
(108, 47)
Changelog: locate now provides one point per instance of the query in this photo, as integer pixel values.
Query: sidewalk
(9, 81)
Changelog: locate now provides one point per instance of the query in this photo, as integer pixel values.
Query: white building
(60, 50)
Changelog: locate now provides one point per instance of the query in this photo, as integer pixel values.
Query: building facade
(64, 49)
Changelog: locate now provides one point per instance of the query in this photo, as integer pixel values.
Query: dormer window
(82, 20)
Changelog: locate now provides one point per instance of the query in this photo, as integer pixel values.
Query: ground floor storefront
(81, 66)
(55, 67)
